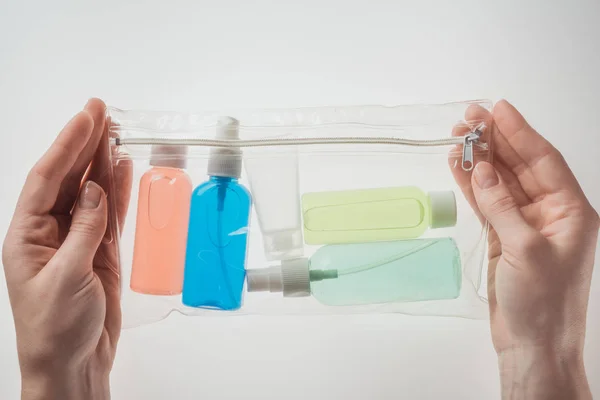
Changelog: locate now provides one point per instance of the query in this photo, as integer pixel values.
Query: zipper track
(468, 140)
(296, 141)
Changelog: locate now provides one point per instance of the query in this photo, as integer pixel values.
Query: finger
(43, 183)
(72, 182)
(118, 188)
(476, 115)
(491, 280)
(513, 184)
(505, 155)
(538, 161)
(117, 184)
(86, 230)
(498, 205)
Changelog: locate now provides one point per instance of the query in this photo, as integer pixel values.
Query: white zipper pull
(467, 157)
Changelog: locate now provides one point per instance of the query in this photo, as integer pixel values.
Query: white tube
(274, 185)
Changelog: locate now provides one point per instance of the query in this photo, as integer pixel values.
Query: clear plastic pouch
(361, 209)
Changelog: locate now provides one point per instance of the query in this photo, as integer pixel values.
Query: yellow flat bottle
(371, 215)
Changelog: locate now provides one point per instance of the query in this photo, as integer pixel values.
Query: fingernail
(485, 175)
(90, 196)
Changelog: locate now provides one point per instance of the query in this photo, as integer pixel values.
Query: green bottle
(371, 215)
(368, 273)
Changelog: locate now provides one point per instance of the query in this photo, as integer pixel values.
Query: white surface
(541, 55)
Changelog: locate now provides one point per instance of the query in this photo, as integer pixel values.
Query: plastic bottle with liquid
(162, 222)
(218, 230)
(368, 273)
(370, 215)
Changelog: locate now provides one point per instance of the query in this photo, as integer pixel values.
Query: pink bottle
(162, 223)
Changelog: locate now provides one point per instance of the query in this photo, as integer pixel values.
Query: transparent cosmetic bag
(332, 210)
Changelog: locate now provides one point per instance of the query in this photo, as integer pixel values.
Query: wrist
(65, 385)
(541, 372)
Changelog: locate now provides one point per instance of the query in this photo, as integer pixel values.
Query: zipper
(468, 141)
(467, 162)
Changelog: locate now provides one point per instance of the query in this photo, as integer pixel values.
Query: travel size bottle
(371, 215)
(162, 222)
(368, 273)
(218, 230)
(275, 190)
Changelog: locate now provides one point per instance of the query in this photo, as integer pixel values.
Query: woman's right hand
(62, 265)
(542, 245)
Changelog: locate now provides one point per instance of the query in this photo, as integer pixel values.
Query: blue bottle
(218, 230)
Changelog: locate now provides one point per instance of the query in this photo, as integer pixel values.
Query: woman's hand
(541, 254)
(61, 263)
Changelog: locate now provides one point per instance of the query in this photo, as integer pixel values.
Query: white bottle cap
(226, 161)
(292, 278)
(443, 209)
(264, 279)
(168, 156)
(283, 245)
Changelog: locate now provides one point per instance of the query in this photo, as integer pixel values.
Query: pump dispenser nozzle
(226, 162)
(292, 277)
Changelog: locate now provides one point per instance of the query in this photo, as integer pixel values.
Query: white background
(544, 56)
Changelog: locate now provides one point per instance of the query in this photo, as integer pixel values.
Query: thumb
(497, 203)
(88, 226)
